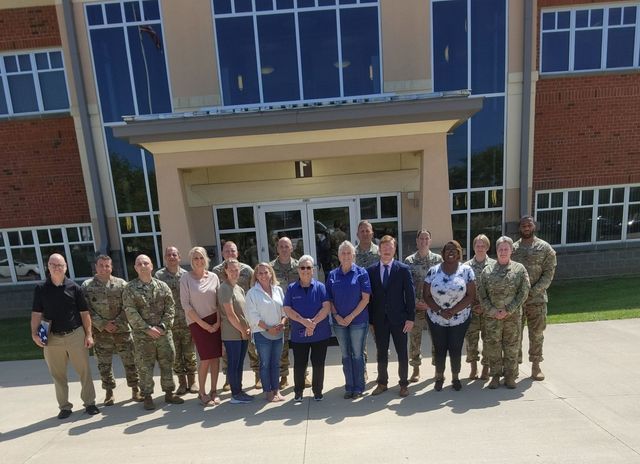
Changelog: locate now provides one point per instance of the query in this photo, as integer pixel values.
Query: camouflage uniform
(286, 274)
(476, 327)
(503, 287)
(148, 305)
(105, 304)
(244, 281)
(367, 258)
(540, 261)
(185, 362)
(419, 266)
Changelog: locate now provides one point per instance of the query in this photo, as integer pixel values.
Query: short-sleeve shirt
(199, 295)
(345, 290)
(307, 303)
(447, 290)
(245, 275)
(235, 296)
(60, 304)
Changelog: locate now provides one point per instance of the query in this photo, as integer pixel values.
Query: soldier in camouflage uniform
(150, 309)
(185, 364)
(419, 263)
(502, 290)
(112, 333)
(230, 251)
(539, 259)
(481, 245)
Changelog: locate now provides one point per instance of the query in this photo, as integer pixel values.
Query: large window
(591, 215)
(127, 45)
(589, 39)
(288, 51)
(469, 52)
(32, 82)
(24, 252)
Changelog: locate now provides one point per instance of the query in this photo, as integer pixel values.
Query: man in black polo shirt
(60, 301)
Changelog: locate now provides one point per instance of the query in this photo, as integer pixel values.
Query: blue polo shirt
(307, 303)
(345, 290)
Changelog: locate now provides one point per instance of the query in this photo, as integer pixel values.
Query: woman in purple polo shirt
(349, 288)
(307, 306)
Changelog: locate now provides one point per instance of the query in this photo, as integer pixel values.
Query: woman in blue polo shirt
(349, 288)
(307, 306)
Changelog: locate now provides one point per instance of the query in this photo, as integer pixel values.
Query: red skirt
(209, 345)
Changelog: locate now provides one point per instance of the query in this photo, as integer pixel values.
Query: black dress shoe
(92, 410)
(438, 385)
(64, 413)
(457, 386)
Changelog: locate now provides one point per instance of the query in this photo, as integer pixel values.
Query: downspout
(525, 138)
(103, 244)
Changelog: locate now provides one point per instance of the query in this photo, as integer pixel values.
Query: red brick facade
(27, 28)
(41, 179)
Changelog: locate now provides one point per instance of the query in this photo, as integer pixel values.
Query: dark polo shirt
(60, 304)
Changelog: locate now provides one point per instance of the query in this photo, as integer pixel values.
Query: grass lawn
(15, 340)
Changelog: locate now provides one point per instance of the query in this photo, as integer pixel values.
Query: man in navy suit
(391, 312)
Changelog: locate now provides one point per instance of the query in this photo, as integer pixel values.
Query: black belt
(62, 333)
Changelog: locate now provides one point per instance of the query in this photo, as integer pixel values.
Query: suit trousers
(384, 331)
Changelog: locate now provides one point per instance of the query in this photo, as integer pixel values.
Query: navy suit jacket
(397, 301)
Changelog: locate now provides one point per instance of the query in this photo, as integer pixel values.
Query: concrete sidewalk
(588, 411)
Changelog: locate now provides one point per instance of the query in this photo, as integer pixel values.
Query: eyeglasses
(305, 268)
(57, 266)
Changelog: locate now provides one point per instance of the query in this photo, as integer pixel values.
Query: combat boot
(149, 405)
(108, 397)
(415, 375)
(192, 386)
(284, 383)
(258, 385)
(495, 382)
(485, 373)
(474, 370)
(182, 385)
(172, 398)
(536, 372)
(136, 395)
(509, 382)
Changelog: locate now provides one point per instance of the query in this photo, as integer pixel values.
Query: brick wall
(24, 28)
(41, 179)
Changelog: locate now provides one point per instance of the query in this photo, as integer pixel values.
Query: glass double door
(316, 228)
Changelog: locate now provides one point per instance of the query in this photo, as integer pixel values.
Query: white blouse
(447, 290)
(260, 306)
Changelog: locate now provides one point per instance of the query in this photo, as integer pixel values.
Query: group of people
(232, 310)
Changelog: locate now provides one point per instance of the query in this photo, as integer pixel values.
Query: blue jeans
(269, 352)
(236, 351)
(352, 340)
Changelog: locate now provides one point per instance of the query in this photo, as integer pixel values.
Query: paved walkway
(588, 411)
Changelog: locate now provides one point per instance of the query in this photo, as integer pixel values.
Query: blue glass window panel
(326, 2)
(94, 15)
(278, 57)
(53, 90)
(243, 6)
(596, 18)
(361, 49)
(113, 12)
(11, 63)
(548, 21)
(151, 178)
(450, 45)
(3, 101)
(588, 51)
(582, 18)
(237, 54)
(629, 15)
(487, 144)
(112, 73)
(264, 5)
(488, 31)
(555, 51)
(221, 6)
(42, 60)
(284, 4)
(306, 3)
(615, 16)
(620, 47)
(457, 143)
(25, 62)
(564, 19)
(319, 54)
(132, 12)
(151, 10)
(56, 60)
(368, 1)
(23, 93)
(347, 2)
(149, 70)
